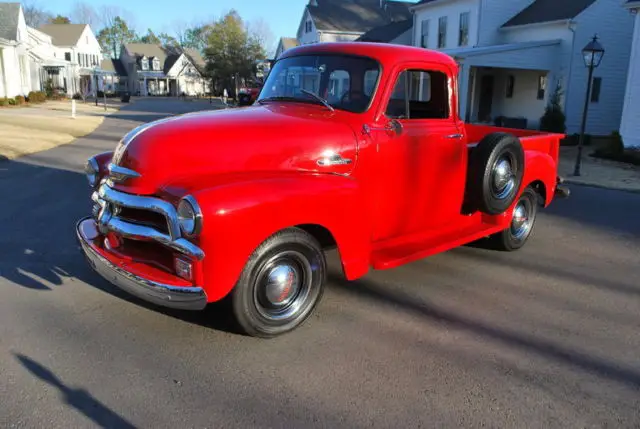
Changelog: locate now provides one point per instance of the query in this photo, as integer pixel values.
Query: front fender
(239, 215)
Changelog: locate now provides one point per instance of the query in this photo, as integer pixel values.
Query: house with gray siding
(346, 21)
(630, 123)
(514, 54)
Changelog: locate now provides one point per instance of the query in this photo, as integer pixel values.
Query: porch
(507, 85)
(507, 97)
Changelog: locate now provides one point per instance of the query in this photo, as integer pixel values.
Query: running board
(393, 256)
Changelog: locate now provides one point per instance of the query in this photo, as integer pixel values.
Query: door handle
(453, 136)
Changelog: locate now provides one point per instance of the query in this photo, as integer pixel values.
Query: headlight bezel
(92, 171)
(195, 216)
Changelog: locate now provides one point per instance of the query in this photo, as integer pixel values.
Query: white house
(514, 53)
(156, 70)
(47, 63)
(345, 21)
(81, 49)
(15, 73)
(630, 123)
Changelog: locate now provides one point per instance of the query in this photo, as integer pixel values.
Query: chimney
(313, 2)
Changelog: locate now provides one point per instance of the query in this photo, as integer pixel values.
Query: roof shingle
(113, 65)
(549, 10)
(64, 34)
(386, 33)
(357, 16)
(9, 16)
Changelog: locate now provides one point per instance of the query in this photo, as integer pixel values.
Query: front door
(486, 98)
(421, 166)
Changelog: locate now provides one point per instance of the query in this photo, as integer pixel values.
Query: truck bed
(532, 140)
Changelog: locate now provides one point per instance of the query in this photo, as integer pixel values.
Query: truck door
(421, 166)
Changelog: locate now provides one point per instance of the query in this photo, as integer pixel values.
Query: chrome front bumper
(107, 202)
(178, 297)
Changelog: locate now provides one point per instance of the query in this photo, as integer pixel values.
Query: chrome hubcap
(522, 220)
(503, 179)
(283, 281)
(283, 285)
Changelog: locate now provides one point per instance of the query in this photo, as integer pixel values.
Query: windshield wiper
(320, 99)
(277, 98)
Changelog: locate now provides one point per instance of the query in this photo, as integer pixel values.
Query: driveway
(543, 337)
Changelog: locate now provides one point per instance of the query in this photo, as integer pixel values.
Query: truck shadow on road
(369, 289)
(79, 399)
(38, 247)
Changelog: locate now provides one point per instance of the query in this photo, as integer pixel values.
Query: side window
(419, 94)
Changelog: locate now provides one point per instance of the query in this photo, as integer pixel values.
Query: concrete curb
(569, 181)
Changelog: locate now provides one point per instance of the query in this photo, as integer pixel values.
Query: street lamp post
(592, 55)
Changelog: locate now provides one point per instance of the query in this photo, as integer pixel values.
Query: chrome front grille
(140, 218)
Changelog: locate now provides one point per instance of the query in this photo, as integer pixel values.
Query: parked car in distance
(248, 94)
(354, 146)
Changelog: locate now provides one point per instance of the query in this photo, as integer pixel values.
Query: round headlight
(189, 216)
(91, 169)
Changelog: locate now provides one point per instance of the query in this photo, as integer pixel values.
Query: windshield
(345, 82)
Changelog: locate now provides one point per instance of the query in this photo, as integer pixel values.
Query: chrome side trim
(453, 136)
(145, 203)
(120, 174)
(332, 158)
(178, 297)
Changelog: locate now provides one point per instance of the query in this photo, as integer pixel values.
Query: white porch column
(166, 88)
(464, 77)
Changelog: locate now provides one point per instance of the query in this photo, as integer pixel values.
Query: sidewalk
(598, 172)
(44, 126)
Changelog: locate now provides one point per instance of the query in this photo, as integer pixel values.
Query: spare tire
(496, 168)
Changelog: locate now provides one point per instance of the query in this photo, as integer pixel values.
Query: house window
(156, 64)
(463, 36)
(595, 89)
(424, 93)
(79, 59)
(511, 80)
(542, 86)
(308, 26)
(144, 62)
(67, 56)
(424, 36)
(442, 31)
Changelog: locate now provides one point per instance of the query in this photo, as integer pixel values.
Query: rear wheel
(522, 223)
(280, 285)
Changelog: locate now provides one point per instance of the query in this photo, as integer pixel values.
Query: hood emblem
(119, 174)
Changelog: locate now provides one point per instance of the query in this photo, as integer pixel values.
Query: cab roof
(385, 53)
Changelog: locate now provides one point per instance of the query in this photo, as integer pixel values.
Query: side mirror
(395, 126)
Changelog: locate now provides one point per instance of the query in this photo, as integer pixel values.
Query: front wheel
(280, 285)
(523, 220)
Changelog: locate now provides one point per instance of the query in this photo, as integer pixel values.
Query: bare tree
(34, 15)
(260, 29)
(108, 13)
(84, 13)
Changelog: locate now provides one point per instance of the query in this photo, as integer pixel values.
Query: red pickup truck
(353, 146)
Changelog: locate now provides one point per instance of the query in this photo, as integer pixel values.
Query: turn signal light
(183, 269)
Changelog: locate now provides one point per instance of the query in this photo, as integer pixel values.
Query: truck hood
(266, 138)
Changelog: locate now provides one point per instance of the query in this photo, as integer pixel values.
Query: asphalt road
(544, 337)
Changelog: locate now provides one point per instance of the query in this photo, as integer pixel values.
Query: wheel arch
(238, 217)
(541, 174)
